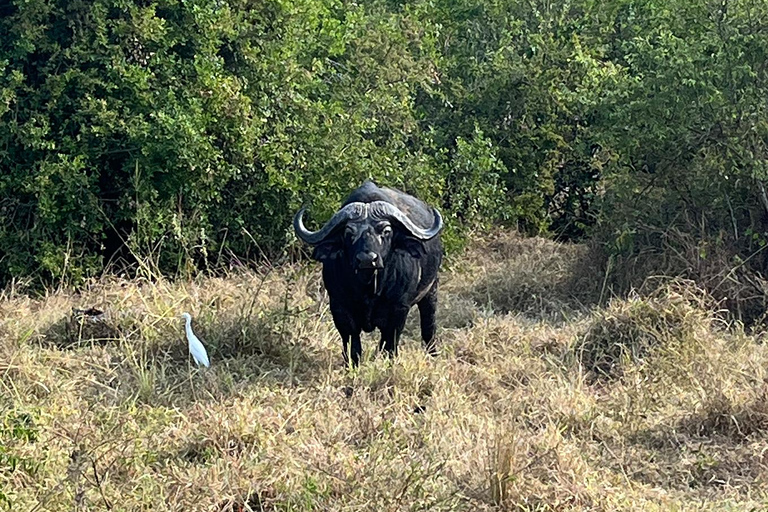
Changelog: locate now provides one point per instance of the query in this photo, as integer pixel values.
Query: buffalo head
(366, 234)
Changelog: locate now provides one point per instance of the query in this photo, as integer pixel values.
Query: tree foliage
(193, 129)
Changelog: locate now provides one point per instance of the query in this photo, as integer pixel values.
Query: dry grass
(512, 415)
(677, 312)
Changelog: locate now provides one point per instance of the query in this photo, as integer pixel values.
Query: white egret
(196, 348)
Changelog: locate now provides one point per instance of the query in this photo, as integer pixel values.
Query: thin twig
(98, 484)
(763, 195)
(734, 269)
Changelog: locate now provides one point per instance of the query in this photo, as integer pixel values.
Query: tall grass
(541, 398)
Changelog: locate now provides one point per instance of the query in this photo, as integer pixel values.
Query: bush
(683, 140)
(189, 132)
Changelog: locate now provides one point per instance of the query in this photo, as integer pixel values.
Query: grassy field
(548, 394)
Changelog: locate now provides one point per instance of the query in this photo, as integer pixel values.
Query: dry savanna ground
(547, 394)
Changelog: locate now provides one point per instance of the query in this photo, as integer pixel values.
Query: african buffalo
(381, 253)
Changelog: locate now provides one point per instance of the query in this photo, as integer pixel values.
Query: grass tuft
(627, 330)
(532, 276)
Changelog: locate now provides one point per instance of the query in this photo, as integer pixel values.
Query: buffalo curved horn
(351, 211)
(384, 209)
(380, 209)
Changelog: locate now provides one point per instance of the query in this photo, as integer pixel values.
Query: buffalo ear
(326, 250)
(412, 246)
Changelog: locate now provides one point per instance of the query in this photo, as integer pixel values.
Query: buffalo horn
(379, 209)
(351, 211)
(384, 209)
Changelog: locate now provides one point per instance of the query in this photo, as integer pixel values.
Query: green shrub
(185, 132)
(684, 141)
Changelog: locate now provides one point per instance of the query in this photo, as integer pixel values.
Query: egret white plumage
(196, 348)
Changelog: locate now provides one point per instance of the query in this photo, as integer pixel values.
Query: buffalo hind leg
(427, 310)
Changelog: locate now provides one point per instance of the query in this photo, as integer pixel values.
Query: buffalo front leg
(355, 350)
(427, 310)
(350, 335)
(390, 334)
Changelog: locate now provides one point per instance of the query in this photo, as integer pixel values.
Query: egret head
(186, 316)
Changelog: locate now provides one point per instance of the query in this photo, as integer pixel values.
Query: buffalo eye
(384, 229)
(349, 230)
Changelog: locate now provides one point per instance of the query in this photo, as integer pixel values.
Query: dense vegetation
(192, 130)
